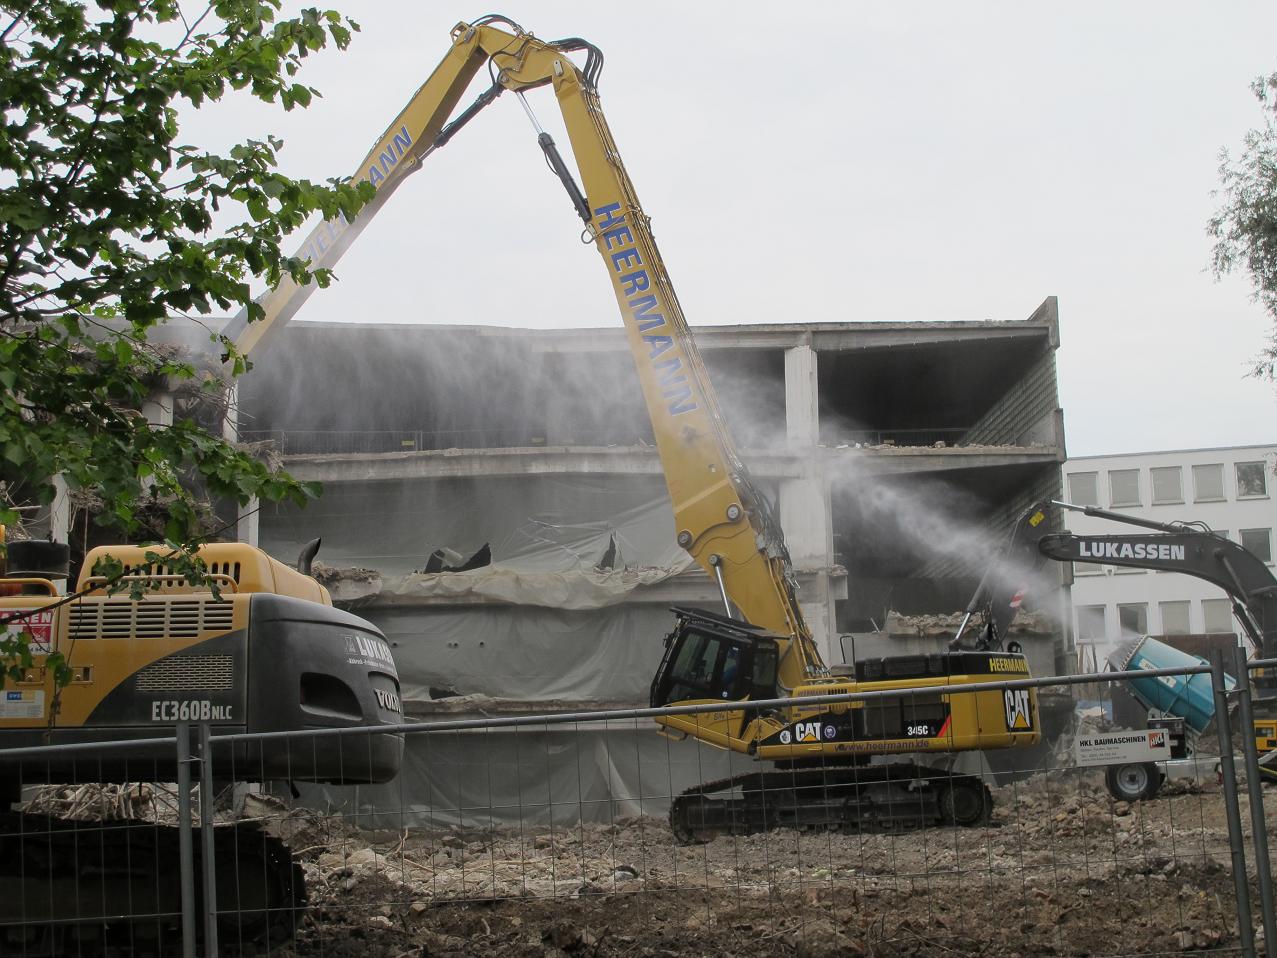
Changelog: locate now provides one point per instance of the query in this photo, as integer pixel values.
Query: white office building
(1228, 489)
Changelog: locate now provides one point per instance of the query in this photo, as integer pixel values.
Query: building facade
(1228, 489)
(897, 454)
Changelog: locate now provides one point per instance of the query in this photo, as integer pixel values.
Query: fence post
(1223, 725)
(185, 843)
(208, 855)
(1255, 790)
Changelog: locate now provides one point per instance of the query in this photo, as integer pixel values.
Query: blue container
(1186, 696)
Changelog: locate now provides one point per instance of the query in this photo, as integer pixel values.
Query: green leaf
(113, 220)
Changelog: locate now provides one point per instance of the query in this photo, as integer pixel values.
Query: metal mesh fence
(553, 835)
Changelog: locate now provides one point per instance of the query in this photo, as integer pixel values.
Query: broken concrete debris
(572, 589)
(946, 625)
(1058, 844)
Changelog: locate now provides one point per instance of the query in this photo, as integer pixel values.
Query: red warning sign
(38, 622)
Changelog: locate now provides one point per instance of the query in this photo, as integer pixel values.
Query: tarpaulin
(535, 775)
(534, 523)
(515, 652)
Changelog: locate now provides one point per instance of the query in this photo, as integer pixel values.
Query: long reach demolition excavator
(762, 648)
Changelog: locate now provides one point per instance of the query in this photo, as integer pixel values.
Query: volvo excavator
(262, 650)
(760, 647)
(1194, 549)
(1190, 548)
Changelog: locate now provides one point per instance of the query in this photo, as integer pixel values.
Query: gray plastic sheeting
(534, 523)
(541, 624)
(516, 652)
(536, 776)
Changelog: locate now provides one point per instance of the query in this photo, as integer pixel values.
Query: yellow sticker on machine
(1018, 713)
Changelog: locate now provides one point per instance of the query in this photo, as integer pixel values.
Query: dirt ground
(1062, 870)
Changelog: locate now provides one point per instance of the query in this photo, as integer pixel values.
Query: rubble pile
(150, 802)
(1063, 869)
(946, 625)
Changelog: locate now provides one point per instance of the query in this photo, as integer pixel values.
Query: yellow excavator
(264, 652)
(761, 648)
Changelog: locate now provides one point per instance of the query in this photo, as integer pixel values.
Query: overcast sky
(844, 162)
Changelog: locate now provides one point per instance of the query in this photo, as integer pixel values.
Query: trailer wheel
(1133, 782)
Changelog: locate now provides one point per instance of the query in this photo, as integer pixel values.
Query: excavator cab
(712, 658)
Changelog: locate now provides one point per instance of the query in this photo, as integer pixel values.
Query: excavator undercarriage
(851, 798)
(97, 888)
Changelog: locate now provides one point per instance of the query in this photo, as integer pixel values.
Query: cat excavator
(760, 647)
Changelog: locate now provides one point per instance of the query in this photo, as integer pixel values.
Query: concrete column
(818, 611)
(246, 529)
(802, 419)
(553, 405)
(1066, 651)
(805, 510)
(805, 516)
(158, 410)
(60, 511)
(230, 422)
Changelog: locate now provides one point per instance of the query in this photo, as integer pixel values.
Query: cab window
(697, 668)
(764, 676)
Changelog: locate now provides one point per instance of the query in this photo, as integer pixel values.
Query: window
(1208, 482)
(1259, 542)
(1174, 617)
(1090, 623)
(695, 667)
(1132, 618)
(1083, 489)
(1252, 480)
(1124, 487)
(1168, 484)
(731, 667)
(1217, 615)
(1087, 568)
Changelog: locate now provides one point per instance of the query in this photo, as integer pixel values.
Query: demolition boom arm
(722, 519)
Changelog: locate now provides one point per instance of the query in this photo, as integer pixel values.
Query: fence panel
(551, 835)
(533, 836)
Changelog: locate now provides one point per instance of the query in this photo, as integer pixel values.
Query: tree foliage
(110, 223)
(1245, 225)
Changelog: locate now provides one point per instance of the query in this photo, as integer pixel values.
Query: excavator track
(847, 797)
(113, 888)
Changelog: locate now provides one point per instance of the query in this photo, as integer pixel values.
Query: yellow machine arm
(722, 519)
